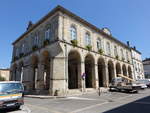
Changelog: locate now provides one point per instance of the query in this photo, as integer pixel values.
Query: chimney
(128, 43)
(134, 48)
(30, 24)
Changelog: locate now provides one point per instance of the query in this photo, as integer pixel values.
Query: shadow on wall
(138, 106)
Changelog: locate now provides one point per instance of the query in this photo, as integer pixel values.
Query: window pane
(73, 33)
(88, 39)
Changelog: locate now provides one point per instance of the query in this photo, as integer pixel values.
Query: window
(22, 48)
(99, 44)
(47, 34)
(73, 33)
(127, 56)
(115, 51)
(36, 39)
(17, 52)
(108, 49)
(87, 39)
(122, 55)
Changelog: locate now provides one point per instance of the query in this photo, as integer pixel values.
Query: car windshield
(143, 81)
(10, 87)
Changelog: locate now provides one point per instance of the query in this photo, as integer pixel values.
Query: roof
(65, 11)
(136, 50)
(147, 59)
(4, 69)
(10, 82)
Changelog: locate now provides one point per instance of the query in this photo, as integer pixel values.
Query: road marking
(43, 108)
(26, 109)
(89, 107)
(79, 98)
(142, 103)
(92, 106)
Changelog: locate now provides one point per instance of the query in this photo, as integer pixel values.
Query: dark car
(11, 95)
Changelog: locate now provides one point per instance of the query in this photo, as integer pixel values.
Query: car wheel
(17, 107)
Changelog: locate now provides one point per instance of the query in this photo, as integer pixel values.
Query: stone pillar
(96, 76)
(83, 77)
(22, 73)
(115, 73)
(36, 78)
(106, 79)
(40, 78)
(121, 70)
(59, 77)
(127, 72)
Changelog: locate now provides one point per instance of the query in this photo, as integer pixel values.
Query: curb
(43, 97)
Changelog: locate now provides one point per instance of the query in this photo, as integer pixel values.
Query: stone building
(137, 64)
(146, 64)
(64, 54)
(5, 73)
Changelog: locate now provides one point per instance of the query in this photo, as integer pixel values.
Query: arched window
(108, 49)
(99, 43)
(115, 51)
(73, 33)
(47, 34)
(87, 39)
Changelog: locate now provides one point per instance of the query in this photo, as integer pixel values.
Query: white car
(141, 84)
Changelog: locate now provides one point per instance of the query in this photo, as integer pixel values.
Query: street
(111, 102)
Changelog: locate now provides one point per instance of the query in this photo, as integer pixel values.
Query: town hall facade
(64, 54)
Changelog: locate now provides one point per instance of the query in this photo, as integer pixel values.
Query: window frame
(73, 32)
(108, 48)
(87, 39)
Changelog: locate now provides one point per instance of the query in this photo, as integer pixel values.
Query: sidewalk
(103, 91)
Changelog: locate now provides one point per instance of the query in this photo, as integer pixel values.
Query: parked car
(145, 81)
(11, 94)
(140, 83)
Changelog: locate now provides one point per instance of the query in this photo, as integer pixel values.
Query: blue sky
(128, 20)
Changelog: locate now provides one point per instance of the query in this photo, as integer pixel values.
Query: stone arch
(130, 72)
(34, 60)
(124, 69)
(118, 69)
(46, 69)
(89, 71)
(74, 70)
(101, 71)
(34, 63)
(111, 72)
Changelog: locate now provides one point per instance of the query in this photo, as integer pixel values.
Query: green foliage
(21, 55)
(74, 42)
(46, 42)
(15, 58)
(89, 47)
(35, 47)
(2, 78)
(100, 51)
(117, 57)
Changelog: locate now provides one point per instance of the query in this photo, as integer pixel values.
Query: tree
(2, 78)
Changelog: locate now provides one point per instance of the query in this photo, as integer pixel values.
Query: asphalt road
(90, 103)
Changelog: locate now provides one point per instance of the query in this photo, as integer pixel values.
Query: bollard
(99, 91)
